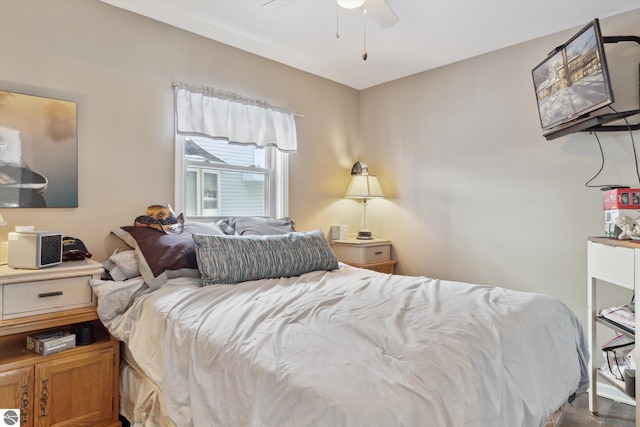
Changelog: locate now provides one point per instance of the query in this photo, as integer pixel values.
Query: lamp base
(364, 235)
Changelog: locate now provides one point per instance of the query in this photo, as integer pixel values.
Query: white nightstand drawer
(376, 254)
(30, 298)
(362, 253)
(612, 263)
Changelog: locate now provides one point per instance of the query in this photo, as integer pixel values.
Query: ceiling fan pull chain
(364, 30)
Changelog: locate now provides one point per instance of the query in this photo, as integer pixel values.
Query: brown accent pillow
(162, 256)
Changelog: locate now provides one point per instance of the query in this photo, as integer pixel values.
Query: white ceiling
(430, 33)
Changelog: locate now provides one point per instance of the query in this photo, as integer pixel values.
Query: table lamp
(363, 186)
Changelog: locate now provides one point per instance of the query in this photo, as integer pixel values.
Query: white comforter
(349, 348)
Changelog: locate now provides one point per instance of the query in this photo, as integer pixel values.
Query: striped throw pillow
(234, 259)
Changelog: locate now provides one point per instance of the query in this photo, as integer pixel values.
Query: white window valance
(229, 116)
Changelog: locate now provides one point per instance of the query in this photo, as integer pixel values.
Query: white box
(339, 232)
(610, 228)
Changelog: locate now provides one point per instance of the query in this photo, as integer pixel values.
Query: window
(218, 179)
(237, 166)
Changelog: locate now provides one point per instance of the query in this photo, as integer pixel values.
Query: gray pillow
(255, 225)
(234, 259)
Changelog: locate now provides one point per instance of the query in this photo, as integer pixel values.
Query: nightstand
(76, 387)
(372, 254)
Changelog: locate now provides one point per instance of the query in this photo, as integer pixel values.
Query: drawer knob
(379, 253)
(50, 294)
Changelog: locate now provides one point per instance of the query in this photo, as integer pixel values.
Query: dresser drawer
(31, 298)
(612, 263)
(362, 254)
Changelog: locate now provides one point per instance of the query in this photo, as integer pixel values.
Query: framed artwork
(38, 152)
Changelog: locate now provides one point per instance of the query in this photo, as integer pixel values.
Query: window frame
(277, 197)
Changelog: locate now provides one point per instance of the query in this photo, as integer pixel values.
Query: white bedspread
(350, 348)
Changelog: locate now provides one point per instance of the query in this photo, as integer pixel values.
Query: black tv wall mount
(599, 123)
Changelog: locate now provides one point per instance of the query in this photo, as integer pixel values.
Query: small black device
(85, 333)
(612, 187)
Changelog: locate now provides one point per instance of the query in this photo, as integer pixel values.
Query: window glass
(222, 179)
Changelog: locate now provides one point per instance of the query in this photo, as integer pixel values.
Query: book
(622, 315)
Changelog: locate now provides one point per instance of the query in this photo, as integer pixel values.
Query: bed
(331, 345)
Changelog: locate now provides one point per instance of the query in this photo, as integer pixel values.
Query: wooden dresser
(76, 387)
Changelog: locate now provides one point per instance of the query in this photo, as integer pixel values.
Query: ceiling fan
(379, 9)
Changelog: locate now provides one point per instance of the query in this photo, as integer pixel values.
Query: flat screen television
(573, 80)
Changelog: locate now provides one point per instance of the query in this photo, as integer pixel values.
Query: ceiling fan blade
(382, 13)
(276, 5)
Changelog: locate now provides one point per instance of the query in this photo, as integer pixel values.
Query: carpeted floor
(611, 414)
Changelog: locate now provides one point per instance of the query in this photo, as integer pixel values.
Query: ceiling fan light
(350, 4)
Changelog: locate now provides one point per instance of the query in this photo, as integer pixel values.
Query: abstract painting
(38, 152)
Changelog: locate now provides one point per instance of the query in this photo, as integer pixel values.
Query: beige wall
(474, 192)
(477, 193)
(119, 67)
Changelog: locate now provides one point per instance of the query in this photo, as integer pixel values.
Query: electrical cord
(635, 156)
(633, 144)
(587, 184)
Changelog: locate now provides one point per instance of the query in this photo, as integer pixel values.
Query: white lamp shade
(364, 187)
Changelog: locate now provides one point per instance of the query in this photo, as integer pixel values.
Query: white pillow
(122, 265)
